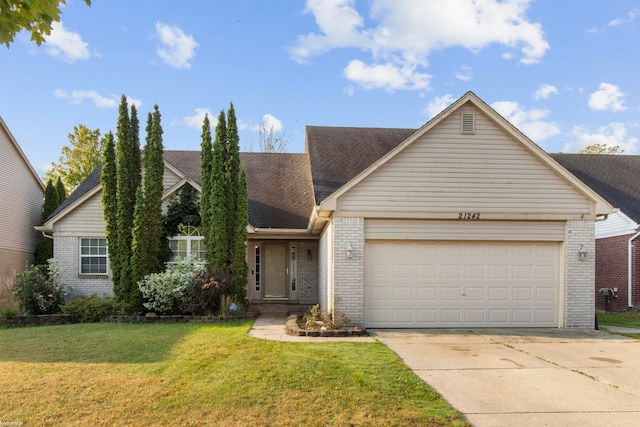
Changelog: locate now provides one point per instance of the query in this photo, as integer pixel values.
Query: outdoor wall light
(582, 252)
(349, 249)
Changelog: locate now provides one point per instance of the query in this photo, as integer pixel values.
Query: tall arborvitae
(232, 176)
(44, 248)
(239, 267)
(140, 257)
(216, 240)
(148, 236)
(206, 169)
(128, 180)
(153, 189)
(108, 179)
(62, 193)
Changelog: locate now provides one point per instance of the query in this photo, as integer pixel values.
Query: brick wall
(66, 250)
(348, 294)
(308, 273)
(612, 272)
(579, 311)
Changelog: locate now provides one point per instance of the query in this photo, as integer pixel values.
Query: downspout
(629, 269)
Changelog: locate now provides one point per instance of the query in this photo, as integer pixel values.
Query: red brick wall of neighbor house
(612, 272)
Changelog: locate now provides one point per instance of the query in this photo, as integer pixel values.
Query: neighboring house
(464, 222)
(617, 179)
(21, 198)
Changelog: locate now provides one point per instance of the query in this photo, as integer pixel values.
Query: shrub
(92, 308)
(206, 291)
(166, 292)
(39, 289)
(7, 304)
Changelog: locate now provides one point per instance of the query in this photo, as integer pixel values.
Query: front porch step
(284, 309)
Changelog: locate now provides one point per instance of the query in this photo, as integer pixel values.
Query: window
(93, 256)
(257, 269)
(188, 243)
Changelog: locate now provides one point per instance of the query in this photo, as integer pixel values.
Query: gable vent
(468, 122)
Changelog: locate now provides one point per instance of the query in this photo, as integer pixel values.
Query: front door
(275, 278)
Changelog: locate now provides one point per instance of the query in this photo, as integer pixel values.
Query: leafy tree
(108, 179)
(128, 180)
(79, 158)
(35, 16)
(602, 149)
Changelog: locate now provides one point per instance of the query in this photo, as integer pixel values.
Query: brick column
(579, 303)
(348, 278)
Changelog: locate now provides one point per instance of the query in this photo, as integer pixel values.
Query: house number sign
(469, 215)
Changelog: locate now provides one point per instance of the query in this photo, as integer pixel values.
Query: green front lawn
(194, 374)
(628, 319)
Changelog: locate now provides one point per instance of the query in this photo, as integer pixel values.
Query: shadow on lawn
(95, 343)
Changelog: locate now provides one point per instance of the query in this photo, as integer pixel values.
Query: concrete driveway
(527, 377)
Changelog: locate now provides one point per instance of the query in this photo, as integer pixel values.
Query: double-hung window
(93, 256)
(189, 243)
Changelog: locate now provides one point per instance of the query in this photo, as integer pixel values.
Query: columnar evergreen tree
(206, 168)
(140, 257)
(108, 179)
(128, 180)
(216, 240)
(44, 248)
(226, 232)
(148, 236)
(62, 192)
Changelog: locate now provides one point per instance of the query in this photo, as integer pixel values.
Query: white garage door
(461, 284)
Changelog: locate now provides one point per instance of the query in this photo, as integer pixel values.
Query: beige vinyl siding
(445, 171)
(85, 220)
(21, 198)
(464, 230)
(169, 179)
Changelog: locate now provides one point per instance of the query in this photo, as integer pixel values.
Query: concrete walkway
(271, 326)
(527, 377)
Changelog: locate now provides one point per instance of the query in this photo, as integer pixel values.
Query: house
(617, 179)
(464, 222)
(21, 197)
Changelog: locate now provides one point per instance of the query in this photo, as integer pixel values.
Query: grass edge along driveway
(195, 374)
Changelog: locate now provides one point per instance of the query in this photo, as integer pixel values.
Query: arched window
(189, 242)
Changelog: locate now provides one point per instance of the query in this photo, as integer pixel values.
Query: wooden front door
(275, 275)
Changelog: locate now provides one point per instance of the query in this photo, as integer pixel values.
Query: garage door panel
(480, 284)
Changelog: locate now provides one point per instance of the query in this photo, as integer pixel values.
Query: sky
(564, 72)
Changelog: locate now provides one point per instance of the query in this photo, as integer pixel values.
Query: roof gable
(9, 136)
(469, 102)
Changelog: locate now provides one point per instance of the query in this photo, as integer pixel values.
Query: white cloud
(464, 73)
(631, 16)
(437, 105)
(269, 122)
(385, 76)
(530, 122)
(99, 101)
(195, 121)
(545, 90)
(176, 48)
(401, 34)
(611, 134)
(65, 44)
(607, 97)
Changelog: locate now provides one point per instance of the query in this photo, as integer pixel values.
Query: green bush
(8, 311)
(210, 293)
(91, 309)
(40, 289)
(166, 292)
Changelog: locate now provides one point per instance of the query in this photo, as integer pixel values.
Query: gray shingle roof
(614, 177)
(339, 154)
(280, 189)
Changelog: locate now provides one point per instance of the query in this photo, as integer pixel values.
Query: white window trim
(188, 239)
(81, 256)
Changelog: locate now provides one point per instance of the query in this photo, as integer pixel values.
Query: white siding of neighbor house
(446, 172)
(21, 197)
(617, 224)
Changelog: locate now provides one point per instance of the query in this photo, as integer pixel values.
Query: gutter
(629, 269)
(44, 231)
